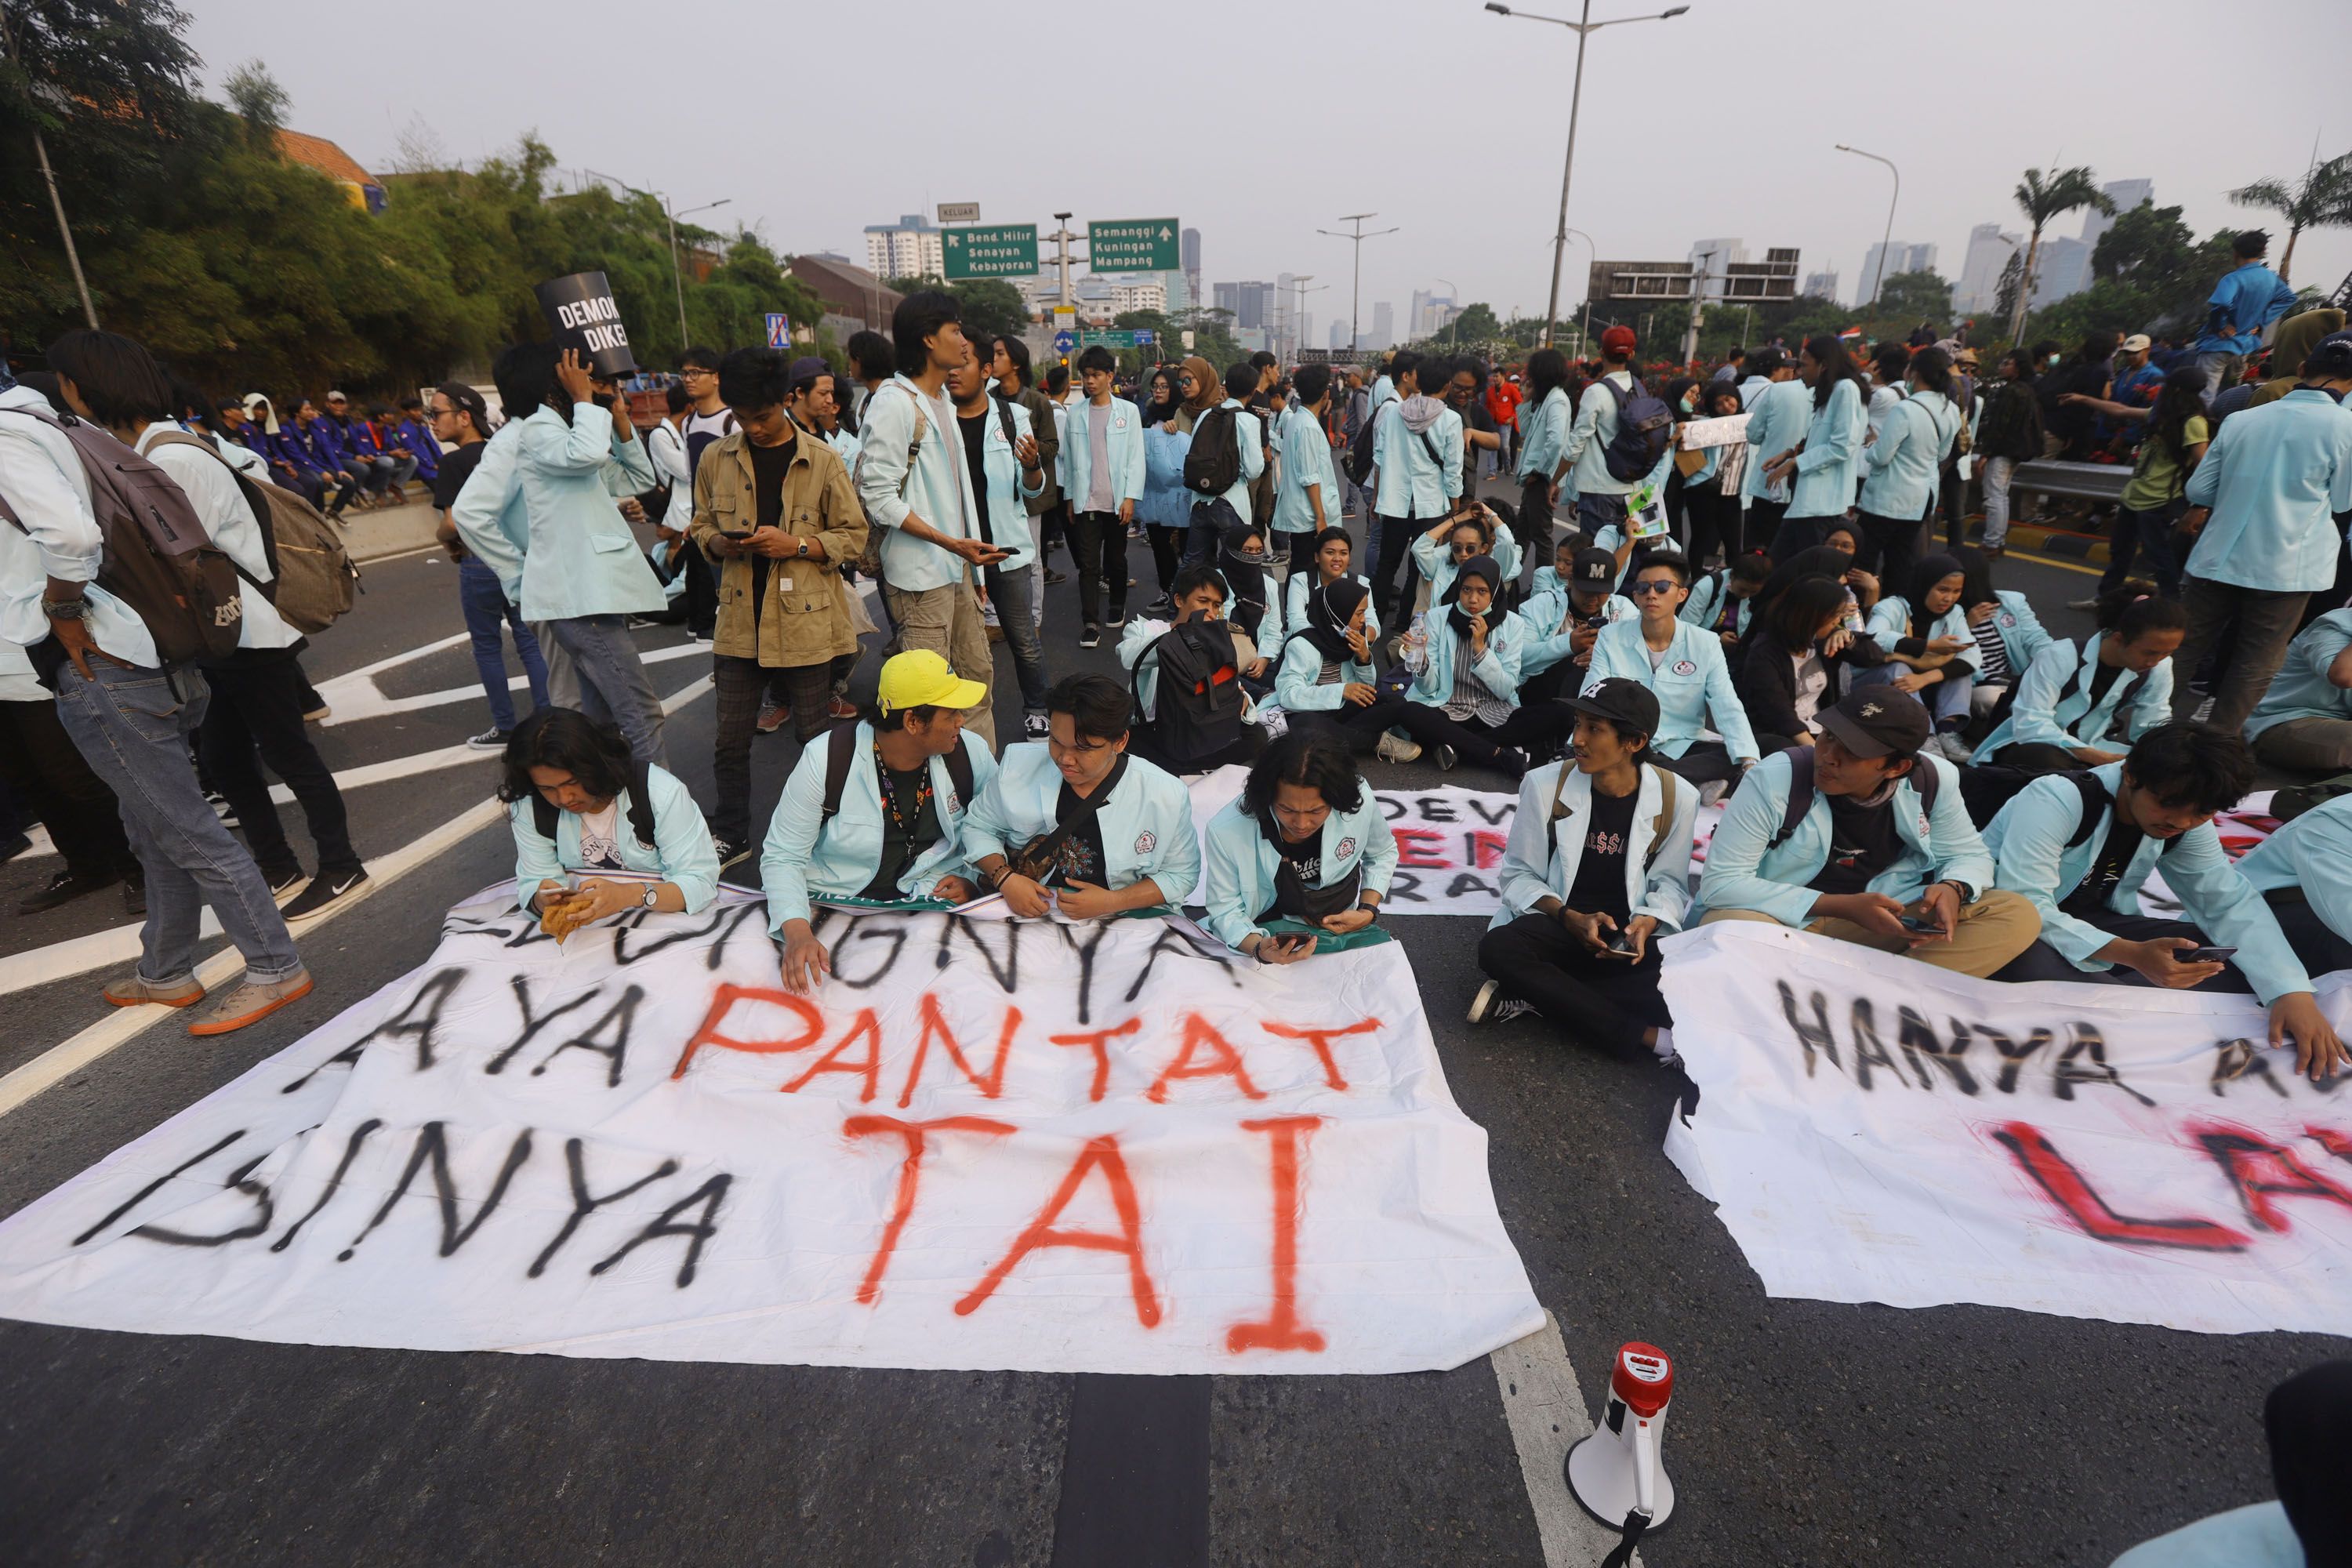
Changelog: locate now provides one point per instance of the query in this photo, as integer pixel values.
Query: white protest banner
(1450, 842)
(986, 1144)
(1694, 435)
(1875, 1129)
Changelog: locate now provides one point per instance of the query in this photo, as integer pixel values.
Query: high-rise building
(907, 248)
(1338, 338)
(1899, 255)
(2127, 195)
(1724, 252)
(1188, 256)
(1145, 292)
(1820, 285)
(1252, 303)
(1989, 248)
(1383, 324)
(2063, 268)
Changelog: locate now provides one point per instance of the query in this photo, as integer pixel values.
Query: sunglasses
(1648, 588)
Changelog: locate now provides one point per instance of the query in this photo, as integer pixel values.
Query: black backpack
(544, 814)
(1924, 778)
(1200, 697)
(1213, 462)
(841, 755)
(1360, 450)
(1645, 426)
(2096, 800)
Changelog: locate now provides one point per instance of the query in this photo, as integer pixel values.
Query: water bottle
(1414, 653)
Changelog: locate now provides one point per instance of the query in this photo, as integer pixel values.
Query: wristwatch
(653, 891)
(66, 609)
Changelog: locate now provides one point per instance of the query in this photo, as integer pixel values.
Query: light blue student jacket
(2301, 689)
(934, 486)
(2313, 852)
(1692, 684)
(807, 856)
(1410, 483)
(2037, 714)
(681, 852)
(2274, 476)
(1742, 874)
(1890, 623)
(1905, 464)
(1588, 439)
(1249, 431)
(1146, 824)
(1542, 856)
(2021, 631)
(1306, 462)
(1299, 670)
(1009, 488)
(1706, 602)
(1543, 432)
(1550, 637)
(1500, 670)
(2028, 840)
(576, 555)
(1165, 502)
(1124, 441)
(1437, 564)
(1238, 865)
(1830, 462)
(1776, 418)
(1291, 606)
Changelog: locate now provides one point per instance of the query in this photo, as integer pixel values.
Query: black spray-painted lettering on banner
(623, 956)
(433, 1147)
(1494, 816)
(342, 1168)
(2013, 1053)
(432, 996)
(533, 1023)
(239, 1180)
(2234, 1060)
(1869, 1051)
(152, 1188)
(1465, 883)
(1404, 888)
(863, 932)
(1917, 1039)
(710, 1195)
(2085, 1061)
(1814, 1036)
(617, 1021)
(977, 933)
(1432, 809)
(585, 1202)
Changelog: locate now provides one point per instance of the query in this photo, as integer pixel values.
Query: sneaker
(1052, 576)
(1117, 618)
(2090, 603)
(253, 1001)
(221, 807)
(63, 887)
(318, 715)
(323, 891)
(1034, 727)
(1447, 757)
(488, 741)
(1513, 761)
(1091, 637)
(841, 707)
(1712, 792)
(731, 850)
(282, 882)
(1950, 747)
(1159, 609)
(771, 718)
(134, 992)
(1396, 748)
(1484, 1004)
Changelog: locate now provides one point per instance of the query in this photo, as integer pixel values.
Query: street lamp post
(1356, 292)
(677, 273)
(1583, 27)
(1879, 275)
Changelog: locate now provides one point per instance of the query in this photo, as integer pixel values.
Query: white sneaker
(1485, 1004)
(1712, 792)
(1396, 748)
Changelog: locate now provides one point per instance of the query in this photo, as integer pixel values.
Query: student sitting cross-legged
(2070, 706)
(1463, 701)
(1862, 836)
(1334, 555)
(876, 809)
(1598, 864)
(1299, 861)
(1930, 652)
(1563, 619)
(1077, 823)
(1207, 719)
(2080, 847)
(1324, 680)
(1684, 667)
(578, 803)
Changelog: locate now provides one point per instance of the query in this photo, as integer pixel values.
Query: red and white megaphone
(1615, 1474)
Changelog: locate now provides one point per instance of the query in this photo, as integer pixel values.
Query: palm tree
(2043, 200)
(2321, 199)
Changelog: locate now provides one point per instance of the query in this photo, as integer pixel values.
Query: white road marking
(354, 696)
(1544, 1406)
(41, 845)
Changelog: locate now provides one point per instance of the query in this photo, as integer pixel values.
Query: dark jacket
(2011, 426)
(1049, 444)
(1767, 679)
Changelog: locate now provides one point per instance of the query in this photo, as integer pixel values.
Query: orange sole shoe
(228, 1025)
(187, 999)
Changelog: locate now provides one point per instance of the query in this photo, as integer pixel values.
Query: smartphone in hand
(2204, 954)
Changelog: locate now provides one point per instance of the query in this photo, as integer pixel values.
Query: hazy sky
(1257, 121)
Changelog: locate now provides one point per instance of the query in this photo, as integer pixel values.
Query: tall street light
(1584, 27)
(1356, 294)
(1879, 275)
(677, 275)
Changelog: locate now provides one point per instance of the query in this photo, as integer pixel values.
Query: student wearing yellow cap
(876, 810)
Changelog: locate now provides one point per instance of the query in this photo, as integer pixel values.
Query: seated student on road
(1555, 578)
(1300, 860)
(2007, 632)
(1598, 854)
(876, 810)
(1930, 652)
(1562, 624)
(1848, 837)
(2069, 706)
(1465, 699)
(1334, 555)
(1214, 724)
(577, 801)
(2081, 847)
(1438, 553)
(1077, 823)
(2304, 871)
(1250, 601)
(1724, 601)
(1325, 679)
(1797, 657)
(2305, 720)
(1683, 666)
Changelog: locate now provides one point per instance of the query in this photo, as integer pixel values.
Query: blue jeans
(613, 686)
(1210, 520)
(2150, 531)
(1947, 700)
(486, 609)
(133, 726)
(1015, 595)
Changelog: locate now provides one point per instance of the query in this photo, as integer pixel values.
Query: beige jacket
(807, 616)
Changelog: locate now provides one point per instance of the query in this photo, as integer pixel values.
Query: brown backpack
(159, 560)
(311, 576)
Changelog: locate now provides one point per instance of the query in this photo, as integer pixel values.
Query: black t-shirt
(1600, 885)
(2103, 676)
(768, 467)
(1081, 856)
(909, 801)
(976, 458)
(2107, 868)
(456, 467)
(1862, 843)
(1304, 865)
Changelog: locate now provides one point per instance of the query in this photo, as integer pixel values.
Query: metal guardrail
(2086, 481)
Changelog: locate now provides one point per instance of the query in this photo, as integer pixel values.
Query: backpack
(1213, 462)
(158, 560)
(1645, 426)
(2008, 704)
(1658, 826)
(1200, 697)
(1360, 464)
(1923, 779)
(544, 814)
(869, 560)
(2096, 800)
(312, 578)
(841, 755)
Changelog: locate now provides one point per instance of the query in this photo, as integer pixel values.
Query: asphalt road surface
(1804, 1432)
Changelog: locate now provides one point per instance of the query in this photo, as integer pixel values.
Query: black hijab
(1156, 412)
(1930, 571)
(1244, 575)
(1482, 568)
(1329, 608)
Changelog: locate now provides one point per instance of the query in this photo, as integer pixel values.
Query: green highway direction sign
(1005, 251)
(1132, 244)
(1120, 338)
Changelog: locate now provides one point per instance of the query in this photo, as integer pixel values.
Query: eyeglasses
(693, 371)
(1648, 588)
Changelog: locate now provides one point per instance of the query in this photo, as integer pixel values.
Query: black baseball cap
(1878, 721)
(1626, 703)
(1593, 568)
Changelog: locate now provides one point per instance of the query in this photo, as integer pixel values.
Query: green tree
(2041, 200)
(988, 305)
(1915, 297)
(2321, 199)
(1476, 324)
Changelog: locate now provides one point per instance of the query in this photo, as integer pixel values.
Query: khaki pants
(1995, 929)
(947, 621)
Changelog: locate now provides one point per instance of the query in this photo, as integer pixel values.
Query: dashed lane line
(1544, 1406)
